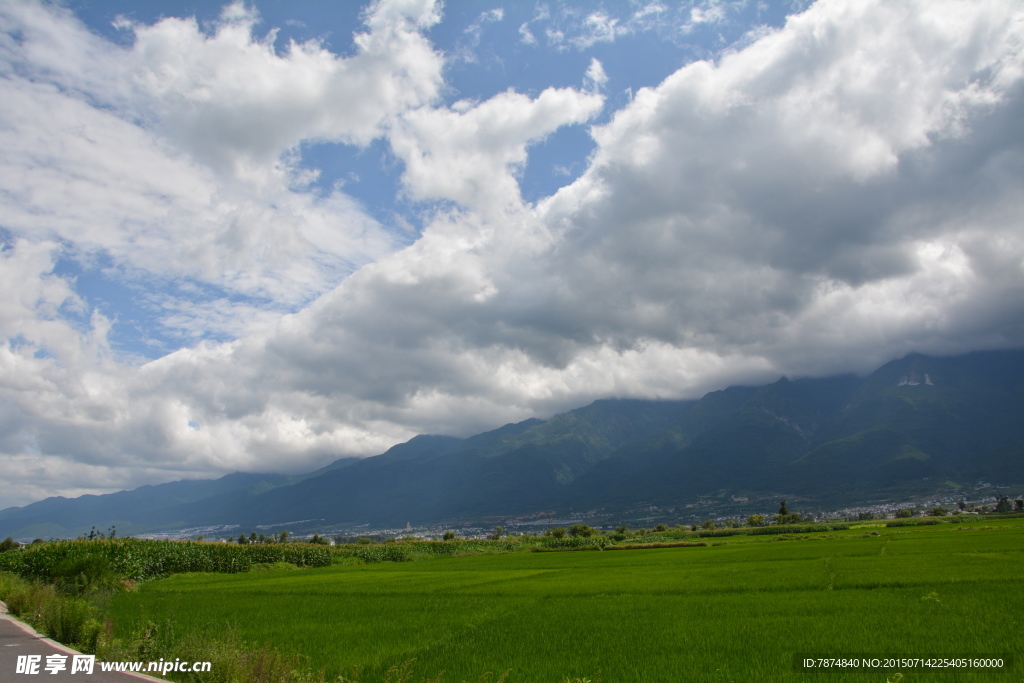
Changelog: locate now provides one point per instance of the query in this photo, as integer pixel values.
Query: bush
(787, 518)
(756, 520)
(573, 542)
(85, 574)
(581, 530)
(913, 522)
(69, 620)
(797, 529)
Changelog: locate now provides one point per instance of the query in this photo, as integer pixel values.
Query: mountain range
(915, 426)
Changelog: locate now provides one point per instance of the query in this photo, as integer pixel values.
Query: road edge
(6, 615)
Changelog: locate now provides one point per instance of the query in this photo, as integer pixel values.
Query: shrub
(797, 529)
(67, 619)
(84, 574)
(573, 542)
(787, 518)
(912, 522)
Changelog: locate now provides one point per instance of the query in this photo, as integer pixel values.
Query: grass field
(732, 612)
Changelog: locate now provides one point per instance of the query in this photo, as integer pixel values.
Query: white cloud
(598, 28)
(841, 191)
(232, 101)
(466, 51)
(595, 77)
(210, 190)
(526, 36)
(470, 153)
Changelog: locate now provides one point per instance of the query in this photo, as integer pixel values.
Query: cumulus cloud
(470, 153)
(827, 160)
(210, 191)
(233, 101)
(840, 191)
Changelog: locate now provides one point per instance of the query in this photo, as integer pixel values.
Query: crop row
(139, 559)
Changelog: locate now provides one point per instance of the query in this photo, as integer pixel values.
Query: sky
(259, 237)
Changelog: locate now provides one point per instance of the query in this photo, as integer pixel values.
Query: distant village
(721, 510)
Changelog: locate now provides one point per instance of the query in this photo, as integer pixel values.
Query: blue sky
(263, 236)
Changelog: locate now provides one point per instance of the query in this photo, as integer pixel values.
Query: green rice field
(739, 609)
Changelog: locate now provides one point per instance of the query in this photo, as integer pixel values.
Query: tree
(621, 529)
(284, 536)
(962, 505)
(904, 513)
(756, 520)
(449, 536)
(558, 532)
(782, 508)
(708, 524)
(242, 540)
(252, 537)
(319, 540)
(581, 530)
(938, 511)
(498, 531)
(8, 544)
(1003, 506)
(1018, 505)
(661, 527)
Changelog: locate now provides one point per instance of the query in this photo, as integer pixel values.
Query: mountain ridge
(912, 422)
